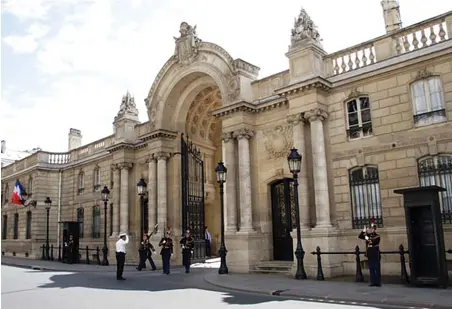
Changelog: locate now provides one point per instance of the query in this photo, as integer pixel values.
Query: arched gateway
(199, 78)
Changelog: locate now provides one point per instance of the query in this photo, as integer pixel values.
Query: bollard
(59, 253)
(449, 251)
(359, 272)
(98, 255)
(26, 254)
(3, 253)
(403, 273)
(43, 257)
(51, 253)
(87, 255)
(319, 264)
(14, 253)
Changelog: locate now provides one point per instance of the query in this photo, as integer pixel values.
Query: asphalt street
(25, 288)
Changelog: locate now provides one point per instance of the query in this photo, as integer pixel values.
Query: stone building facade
(368, 120)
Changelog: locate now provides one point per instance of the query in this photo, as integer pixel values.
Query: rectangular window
(81, 220)
(365, 196)
(16, 226)
(81, 183)
(437, 170)
(428, 101)
(4, 226)
(28, 230)
(111, 219)
(97, 179)
(359, 121)
(96, 222)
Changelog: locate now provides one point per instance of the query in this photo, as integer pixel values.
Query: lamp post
(221, 172)
(105, 194)
(294, 160)
(48, 204)
(141, 185)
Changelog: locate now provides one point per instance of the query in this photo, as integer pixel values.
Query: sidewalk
(349, 292)
(58, 266)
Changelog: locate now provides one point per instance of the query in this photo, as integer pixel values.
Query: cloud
(27, 43)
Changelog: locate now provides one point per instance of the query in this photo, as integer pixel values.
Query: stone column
(162, 190)
(246, 207)
(303, 191)
(124, 200)
(231, 188)
(322, 200)
(116, 197)
(152, 191)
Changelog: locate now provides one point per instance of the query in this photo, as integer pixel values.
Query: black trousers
(120, 261)
(208, 252)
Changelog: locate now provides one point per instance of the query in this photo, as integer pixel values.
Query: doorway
(283, 217)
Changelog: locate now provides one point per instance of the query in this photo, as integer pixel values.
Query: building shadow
(156, 282)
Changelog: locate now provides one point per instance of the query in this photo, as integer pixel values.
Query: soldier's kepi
(372, 239)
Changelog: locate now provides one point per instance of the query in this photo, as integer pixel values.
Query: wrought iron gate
(192, 167)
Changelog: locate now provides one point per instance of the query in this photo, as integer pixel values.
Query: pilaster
(124, 199)
(231, 187)
(162, 190)
(316, 117)
(116, 199)
(246, 208)
(152, 190)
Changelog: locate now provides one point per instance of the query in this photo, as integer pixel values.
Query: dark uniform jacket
(188, 243)
(167, 247)
(372, 245)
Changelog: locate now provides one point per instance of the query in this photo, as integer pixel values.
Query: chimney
(3, 146)
(391, 14)
(75, 139)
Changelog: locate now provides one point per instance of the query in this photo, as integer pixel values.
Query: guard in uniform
(187, 244)
(167, 251)
(372, 239)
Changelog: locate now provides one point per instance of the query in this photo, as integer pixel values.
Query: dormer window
(359, 122)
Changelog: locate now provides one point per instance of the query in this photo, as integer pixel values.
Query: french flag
(18, 192)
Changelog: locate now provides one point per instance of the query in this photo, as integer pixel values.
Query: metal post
(299, 252)
(105, 248)
(223, 267)
(47, 235)
(141, 251)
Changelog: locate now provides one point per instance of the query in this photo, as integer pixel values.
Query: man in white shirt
(121, 255)
(208, 239)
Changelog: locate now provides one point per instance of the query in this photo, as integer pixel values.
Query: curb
(34, 267)
(286, 293)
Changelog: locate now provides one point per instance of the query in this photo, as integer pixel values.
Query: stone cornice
(161, 133)
(247, 107)
(305, 85)
(125, 165)
(120, 146)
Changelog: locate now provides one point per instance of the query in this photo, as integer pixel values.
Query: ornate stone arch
(163, 101)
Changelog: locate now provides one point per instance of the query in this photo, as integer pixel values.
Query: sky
(67, 63)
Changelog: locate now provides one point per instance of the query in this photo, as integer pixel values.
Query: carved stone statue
(391, 13)
(304, 28)
(127, 107)
(187, 44)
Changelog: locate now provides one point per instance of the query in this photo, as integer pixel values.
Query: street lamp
(141, 185)
(105, 194)
(294, 160)
(221, 172)
(48, 204)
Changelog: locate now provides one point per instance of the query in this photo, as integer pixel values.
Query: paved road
(26, 288)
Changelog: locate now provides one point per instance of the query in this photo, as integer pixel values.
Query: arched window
(437, 170)
(428, 101)
(365, 196)
(81, 182)
(16, 226)
(5, 195)
(96, 179)
(359, 122)
(96, 222)
(28, 228)
(81, 220)
(4, 226)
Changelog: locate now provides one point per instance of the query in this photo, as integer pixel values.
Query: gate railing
(359, 277)
(48, 254)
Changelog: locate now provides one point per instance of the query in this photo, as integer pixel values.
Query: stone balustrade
(57, 159)
(405, 40)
